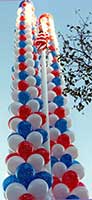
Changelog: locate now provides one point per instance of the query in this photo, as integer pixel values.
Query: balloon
(10, 155)
(35, 138)
(34, 105)
(38, 80)
(31, 80)
(57, 81)
(61, 124)
(31, 71)
(27, 196)
(37, 161)
(66, 159)
(50, 77)
(60, 191)
(38, 188)
(81, 192)
(23, 97)
(14, 95)
(43, 133)
(22, 44)
(52, 106)
(13, 162)
(43, 116)
(54, 133)
(46, 177)
(64, 140)
(78, 168)
(23, 75)
(57, 150)
(33, 91)
(72, 196)
(43, 152)
(53, 160)
(14, 107)
(40, 102)
(60, 112)
(56, 181)
(59, 169)
(55, 66)
(21, 58)
(9, 180)
(23, 85)
(14, 140)
(52, 119)
(35, 120)
(71, 135)
(24, 128)
(22, 66)
(14, 84)
(70, 179)
(13, 122)
(51, 86)
(14, 191)
(51, 95)
(58, 90)
(25, 149)
(72, 150)
(52, 143)
(25, 173)
(59, 100)
(24, 111)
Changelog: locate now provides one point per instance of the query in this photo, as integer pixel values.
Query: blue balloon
(75, 162)
(59, 100)
(46, 177)
(24, 97)
(61, 124)
(22, 32)
(54, 54)
(24, 128)
(57, 81)
(23, 75)
(25, 173)
(21, 58)
(72, 196)
(66, 159)
(43, 133)
(22, 23)
(40, 102)
(36, 64)
(9, 180)
(53, 160)
(22, 44)
(38, 80)
(34, 49)
(33, 38)
(55, 66)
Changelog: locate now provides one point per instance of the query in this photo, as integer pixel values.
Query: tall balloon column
(42, 161)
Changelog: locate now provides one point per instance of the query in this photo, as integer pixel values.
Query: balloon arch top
(42, 161)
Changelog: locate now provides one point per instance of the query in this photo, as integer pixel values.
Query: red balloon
(25, 149)
(56, 181)
(56, 72)
(35, 56)
(81, 184)
(10, 156)
(43, 152)
(22, 51)
(22, 37)
(70, 179)
(22, 66)
(39, 91)
(36, 71)
(54, 60)
(58, 90)
(60, 112)
(52, 48)
(64, 140)
(24, 112)
(21, 27)
(52, 143)
(10, 120)
(27, 197)
(43, 116)
(22, 18)
(22, 85)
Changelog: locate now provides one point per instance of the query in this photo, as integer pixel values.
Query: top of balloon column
(23, 3)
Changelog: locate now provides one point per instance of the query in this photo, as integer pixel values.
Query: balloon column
(42, 161)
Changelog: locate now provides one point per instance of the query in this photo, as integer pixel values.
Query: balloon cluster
(27, 163)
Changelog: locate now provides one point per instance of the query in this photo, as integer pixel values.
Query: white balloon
(54, 133)
(37, 161)
(78, 168)
(49, 69)
(29, 62)
(14, 107)
(51, 86)
(52, 119)
(73, 151)
(14, 95)
(31, 71)
(14, 191)
(67, 111)
(15, 74)
(14, 122)
(57, 150)
(50, 77)
(34, 104)
(33, 91)
(71, 135)
(29, 55)
(38, 188)
(31, 80)
(69, 122)
(35, 120)
(51, 95)
(14, 140)
(59, 169)
(13, 162)
(29, 47)
(52, 106)
(19, 11)
(35, 138)
(60, 191)
(81, 192)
